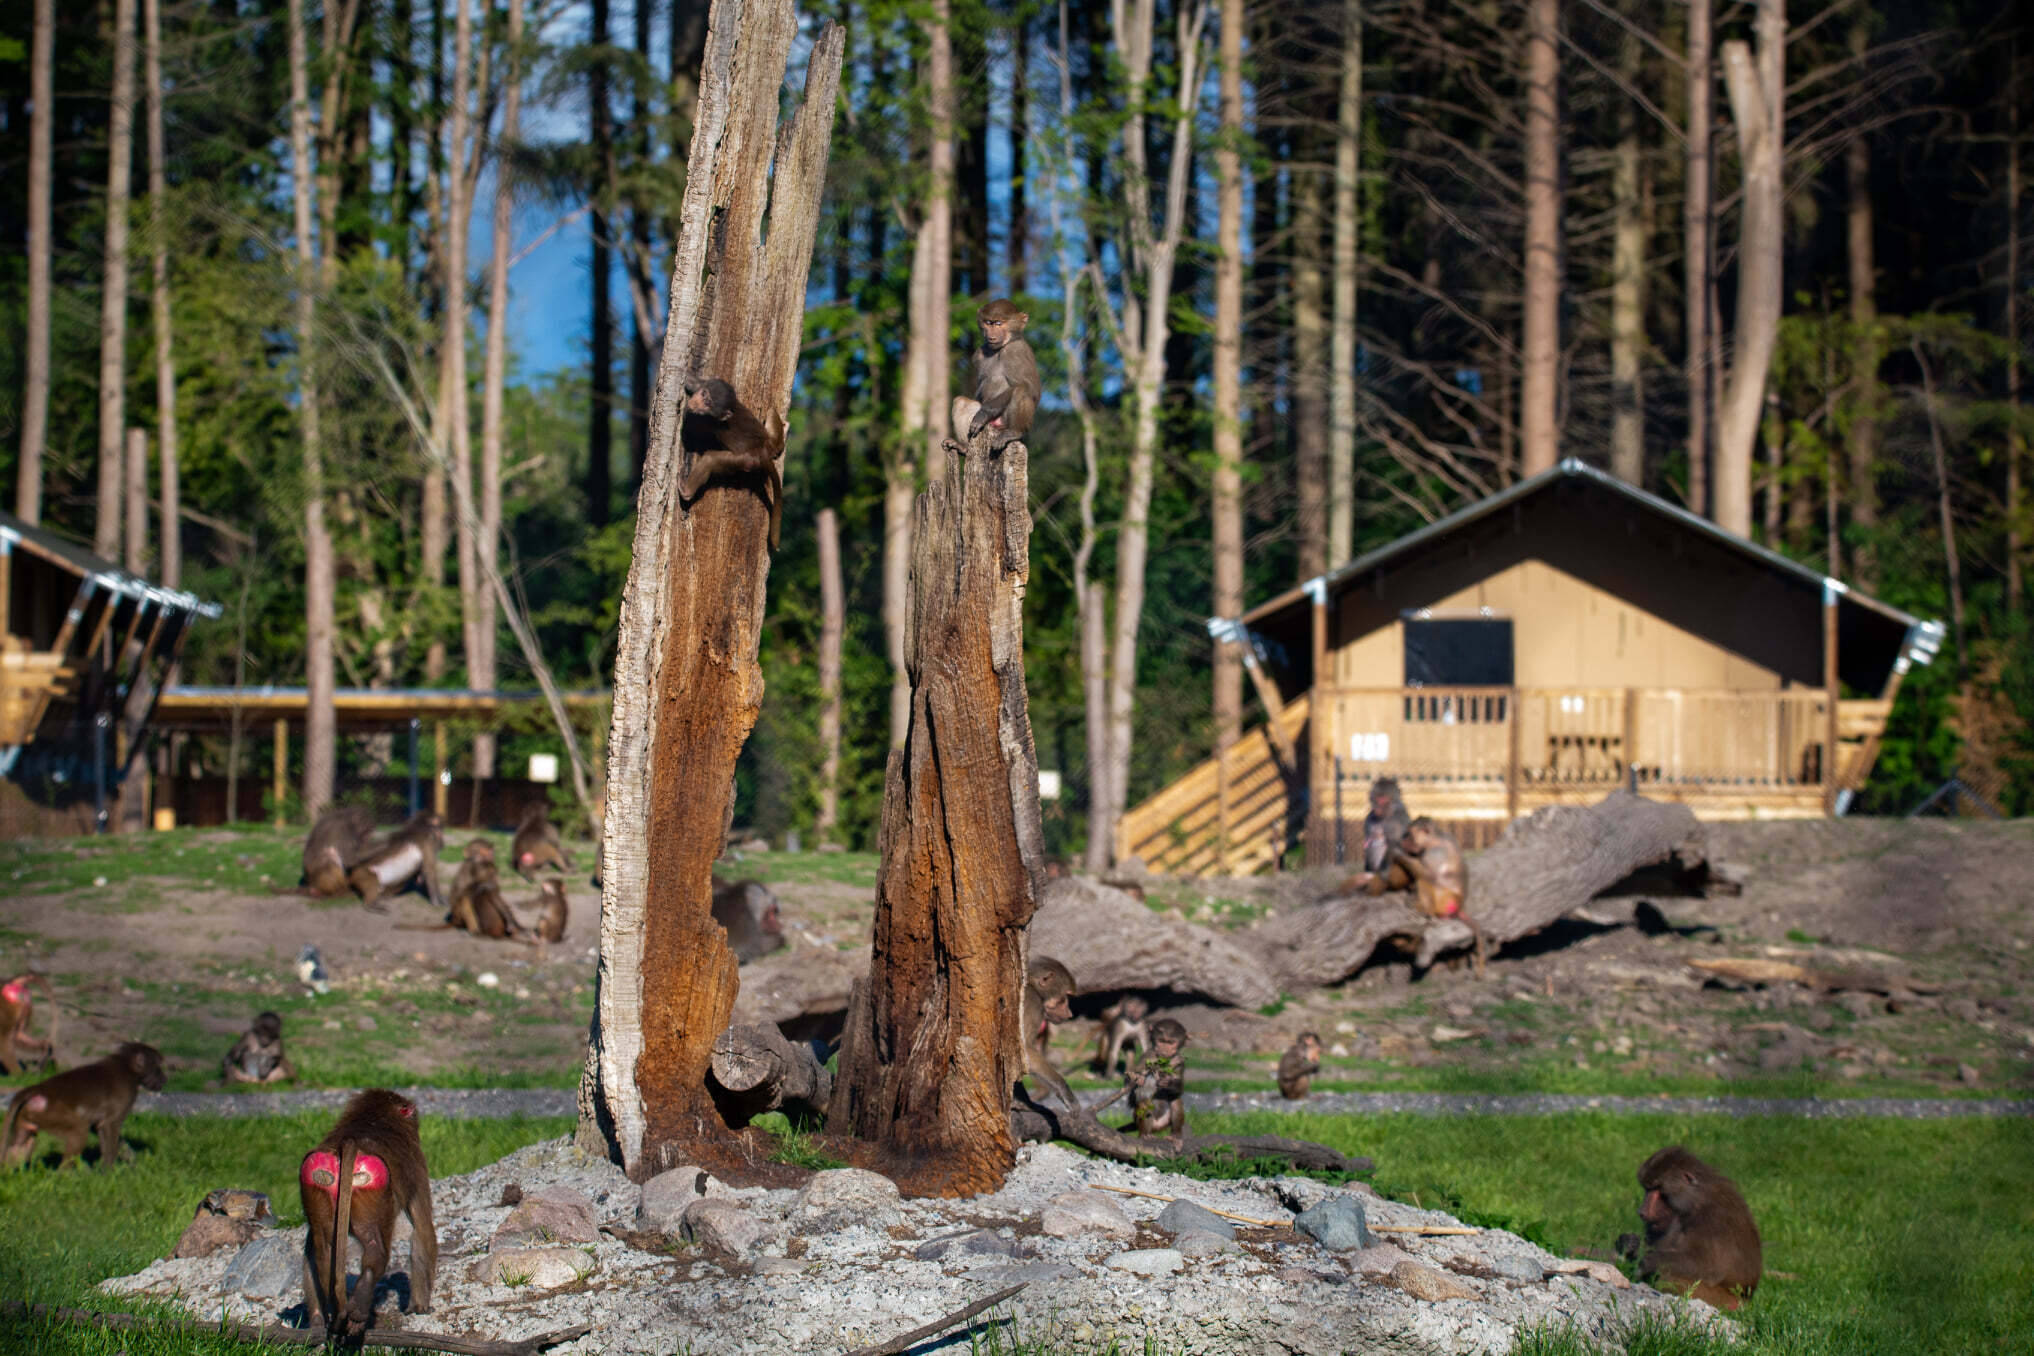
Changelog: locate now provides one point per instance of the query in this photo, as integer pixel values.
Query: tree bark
(169, 547)
(1627, 284)
(1228, 411)
(1698, 247)
(756, 1070)
(494, 376)
(1017, 249)
(2016, 438)
(1757, 103)
(1342, 333)
(1864, 321)
(932, 1044)
(320, 718)
(832, 628)
(638, 264)
(687, 683)
(455, 421)
(113, 294)
(1311, 379)
(1555, 860)
(35, 380)
(133, 805)
(134, 502)
(1539, 428)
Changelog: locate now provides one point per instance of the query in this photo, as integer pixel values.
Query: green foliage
(796, 1142)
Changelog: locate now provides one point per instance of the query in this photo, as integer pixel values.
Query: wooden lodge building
(1543, 646)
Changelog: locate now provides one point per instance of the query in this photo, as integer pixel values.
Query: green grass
(73, 1229)
(1901, 1236)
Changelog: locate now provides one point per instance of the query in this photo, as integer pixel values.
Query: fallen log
(1038, 1123)
(1754, 970)
(1547, 864)
(1110, 941)
(755, 1069)
(801, 983)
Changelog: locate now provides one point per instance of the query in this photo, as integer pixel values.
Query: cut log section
(1111, 941)
(1547, 864)
(756, 1070)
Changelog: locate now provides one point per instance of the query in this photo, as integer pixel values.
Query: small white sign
(1373, 747)
(1048, 784)
(543, 767)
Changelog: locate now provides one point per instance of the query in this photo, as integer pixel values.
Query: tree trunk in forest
(35, 366)
(1017, 250)
(1539, 427)
(1698, 246)
(600, 427)
(1145, 328)
(169, 547)
(1757, 104)
(1555, 860)
(1228, 412)
(113, 294)
(454, 430)
(692, 613)
(134, 502)
(1864, 319)
(320, 718)
(932, 1046)
(432, 509)
(1311, 378)
(1952, 559)
(133, 796)
(2016, 438)
(1342, 337)
(638, 264)
(832, 629)
(937, 233)
(494, 376)
(1627, 283)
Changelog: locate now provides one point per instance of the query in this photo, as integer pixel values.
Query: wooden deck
(1479, 758)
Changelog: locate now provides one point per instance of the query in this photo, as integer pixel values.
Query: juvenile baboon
(1157, 1088)
(1434, 860)
(748, 909)
(1700, 1239)
(552, 911)
(369, 1169)
(1298, 1065)
(722, 437)
(1123, 1029)
(537, 844)
(1048, 1001)
(257, 1057)
(95, 1096)
(1006, 379)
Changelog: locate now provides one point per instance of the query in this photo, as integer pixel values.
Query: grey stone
(271, 1265)
(1962, 1009)
(720, 1224)
(1304, 1275)
(552, 1216)
(1148, 1261)
(973, 1243)
(1429, 1283)
(1185, 1217)
(779, 1266)
(1337, 1223)
(1031, 1273)
(1377, 1259)
(1967, 1073)
(541, 1268)
(1514, 1267)
(841, 1197)
(1072, 1213)
(1199, 1243)
(662, 1200)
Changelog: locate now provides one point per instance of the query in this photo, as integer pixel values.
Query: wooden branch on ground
(757, 1070)
(299, 1337)
(1037, 1123)
(904, 1341)
(1547, 864)
(1755, 970)
(1110, 940)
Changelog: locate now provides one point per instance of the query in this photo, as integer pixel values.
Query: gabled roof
(76, 560)
(1912, 639)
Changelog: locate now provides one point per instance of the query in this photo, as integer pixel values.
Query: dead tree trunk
(687, 686)
(1555, 860)
(931, 1049)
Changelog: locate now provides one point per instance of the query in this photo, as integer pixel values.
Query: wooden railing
(1192, 828)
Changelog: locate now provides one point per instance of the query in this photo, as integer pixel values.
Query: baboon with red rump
(360, 1177)
(95, 1096)
(537, 845)
(1700, 1239)
(20, 1051)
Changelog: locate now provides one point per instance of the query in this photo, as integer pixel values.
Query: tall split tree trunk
(1539, 394)
(2016, 440)
(1228, 430)
(170, 566)
(934, 1035)
(433, 508)
(1342, 339)
(494, 375)
(832, 630)
(113, 296)
(600, 430)
(1311, 379)
(692, 613)
(1864, 319)
(1699, 247)
(320, 718)
(1628, 283)
(35, 383)
(1757, 89)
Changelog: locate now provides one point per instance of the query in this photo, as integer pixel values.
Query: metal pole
(416, 795)
(99, 724)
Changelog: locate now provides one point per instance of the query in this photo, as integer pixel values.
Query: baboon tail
(342, 1229)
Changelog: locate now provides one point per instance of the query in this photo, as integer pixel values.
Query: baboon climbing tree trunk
(932, 1042)
(687, 686)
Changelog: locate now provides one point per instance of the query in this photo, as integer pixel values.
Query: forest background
(1302, 277)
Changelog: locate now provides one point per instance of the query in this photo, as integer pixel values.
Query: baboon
(1048, 1001)
(1298, 1065)
(1123, 1029)
(257, 1057)
(537, 844)
(1434, 859)
(748, 909)
(369, 1169)
(722, 437)
(95, 1096)
(407, 860)
(335, 846)
(20, 1051)
(1383, 829)
(552, 911)
(1006, 379)
(1700, 1239)
(1156, 1089)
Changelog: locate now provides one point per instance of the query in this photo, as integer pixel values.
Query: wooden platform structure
(1566, 636)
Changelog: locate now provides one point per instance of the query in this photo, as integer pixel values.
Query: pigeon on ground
(311, 970)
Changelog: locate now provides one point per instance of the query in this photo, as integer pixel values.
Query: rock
(663, 1199)
(272, 1265)
(1073, 1213)
(972, 1243)
(554, 1215)
(1147, 1261)
(1962, 1009)
(542, 1268)
(1182, 1217)
(720, 1224)
(1514, 1267)
(841, 1197)
(779, 1266)
(1819, 1019)
(1303, 1275)
(1858, 1005)
(1337, 1224)
(206, 1234)
(1377, 1259)
(1428, 1283)
(1593, 1269)
(366, 1023)
(1030, 1273)
(1200, 1243)
(1965, 1073)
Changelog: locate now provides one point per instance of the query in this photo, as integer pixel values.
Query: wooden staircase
(1187, 830)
